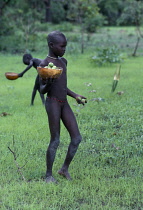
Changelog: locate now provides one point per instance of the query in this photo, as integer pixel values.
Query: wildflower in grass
(88, 84)
(116, 79)
(92, 91)
(98, 99)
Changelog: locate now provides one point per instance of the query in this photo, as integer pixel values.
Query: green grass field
(107, 170)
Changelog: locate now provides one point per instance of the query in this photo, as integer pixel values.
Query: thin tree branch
(15, 160)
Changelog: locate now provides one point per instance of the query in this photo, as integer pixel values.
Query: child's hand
(46, 81)
(45, 84)
(50, 80)
(81, 99)
(20, 75)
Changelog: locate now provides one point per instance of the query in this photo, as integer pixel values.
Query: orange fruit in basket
(46, 73)
(11, 75)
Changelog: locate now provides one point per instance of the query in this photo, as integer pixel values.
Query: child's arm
(79, 98)
(45, 85)
(28, 67)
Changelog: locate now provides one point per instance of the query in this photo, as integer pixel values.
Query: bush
(107, 55)
(58, 12)
(65, 26)
(12, 44)
(73, 48)
(73, 37)
(91, 24)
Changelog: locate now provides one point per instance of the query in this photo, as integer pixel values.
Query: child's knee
(55, 143)
(76, 141)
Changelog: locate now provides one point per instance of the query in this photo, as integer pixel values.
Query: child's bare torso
(36, 62)
(58, 89)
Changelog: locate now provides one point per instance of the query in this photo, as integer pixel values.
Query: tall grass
(107, 170)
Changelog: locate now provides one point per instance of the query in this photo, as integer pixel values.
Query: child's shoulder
(44, 62)
(36, 59)
(63, 60)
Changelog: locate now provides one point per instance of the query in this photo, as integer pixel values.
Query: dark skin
(58, 108)
(32, 62)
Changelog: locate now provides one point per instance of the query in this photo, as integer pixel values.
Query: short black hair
(27, 57)
(52, 37)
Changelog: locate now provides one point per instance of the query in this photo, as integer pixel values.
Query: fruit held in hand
(83, 101)
(79, 98)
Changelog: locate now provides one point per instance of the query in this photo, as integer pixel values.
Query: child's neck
(52, 57)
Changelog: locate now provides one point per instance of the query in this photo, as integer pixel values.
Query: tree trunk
(136, 47)
(82, 42)
(48, 10)
(82, 34)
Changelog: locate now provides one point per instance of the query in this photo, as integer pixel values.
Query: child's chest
(60, 63)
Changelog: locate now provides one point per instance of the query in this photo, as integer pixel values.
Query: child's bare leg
(35, 88)
(70, 123)
(53, 111)
(37, 85)
(70, 155)
(50, 157)
(42, 98)
(33, 96)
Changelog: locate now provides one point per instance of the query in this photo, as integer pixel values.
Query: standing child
(57, 106)
(32, 62)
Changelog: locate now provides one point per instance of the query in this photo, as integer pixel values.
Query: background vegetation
(24, 25)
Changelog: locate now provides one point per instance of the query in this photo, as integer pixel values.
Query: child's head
(57, 43)
(27, 58)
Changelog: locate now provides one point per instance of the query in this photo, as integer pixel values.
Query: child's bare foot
(65, 174)
(50, 179)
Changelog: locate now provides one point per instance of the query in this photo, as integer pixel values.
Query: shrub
(91, 24)
(73, 37)
(108, 55)
(73, 48)
(12, 44)
(58, 12)
(65, 26)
